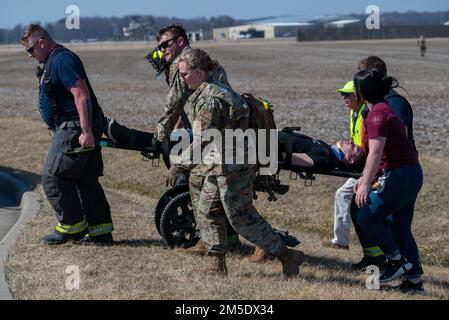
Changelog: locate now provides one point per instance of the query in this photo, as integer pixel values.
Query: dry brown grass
(300, 79)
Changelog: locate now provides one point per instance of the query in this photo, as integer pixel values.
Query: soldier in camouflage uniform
(216, 106)
(422, 45)
(173, 41)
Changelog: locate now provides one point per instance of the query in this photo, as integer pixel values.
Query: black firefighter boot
(291, 260)
(101, 240)
(118, 133)
(57, 237)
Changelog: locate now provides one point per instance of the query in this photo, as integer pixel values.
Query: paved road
(9, 213)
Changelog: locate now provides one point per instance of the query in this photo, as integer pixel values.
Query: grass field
(300, 80)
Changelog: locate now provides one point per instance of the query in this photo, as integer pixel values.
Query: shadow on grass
(330, 264)
(242, 250)
(142, 243)
(339, 265)
(434, 282)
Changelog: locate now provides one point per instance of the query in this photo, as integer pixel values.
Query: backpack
(260, 117)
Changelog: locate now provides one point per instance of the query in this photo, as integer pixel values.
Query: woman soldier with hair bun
(393, 162)
(215, 106)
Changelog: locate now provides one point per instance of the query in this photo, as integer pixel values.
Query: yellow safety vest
(356, 126)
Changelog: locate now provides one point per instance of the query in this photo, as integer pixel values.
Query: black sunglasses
(346, 94)
(165, 44)
(31, 49)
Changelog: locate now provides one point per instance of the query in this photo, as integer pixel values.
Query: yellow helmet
(348, 88)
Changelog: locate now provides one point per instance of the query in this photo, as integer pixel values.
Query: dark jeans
(70, 181)
(397, 194)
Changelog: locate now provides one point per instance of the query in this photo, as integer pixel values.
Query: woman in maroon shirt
(393, 163)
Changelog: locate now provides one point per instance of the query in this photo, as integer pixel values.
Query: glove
(289, 240)
(156, 145)
(175, 176)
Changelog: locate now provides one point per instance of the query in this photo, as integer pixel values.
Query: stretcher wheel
(160, 206)
(164, 200)
(177, 224)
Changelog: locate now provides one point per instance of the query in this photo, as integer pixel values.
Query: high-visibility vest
(356, 126)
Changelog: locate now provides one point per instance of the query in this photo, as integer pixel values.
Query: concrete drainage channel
(17, 207)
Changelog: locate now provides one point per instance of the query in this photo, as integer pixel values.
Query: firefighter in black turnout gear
(73, 165)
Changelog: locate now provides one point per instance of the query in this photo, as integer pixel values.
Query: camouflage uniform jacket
(215, 106)
(177, 97)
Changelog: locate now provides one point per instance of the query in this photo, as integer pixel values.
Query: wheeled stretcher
(173, 215)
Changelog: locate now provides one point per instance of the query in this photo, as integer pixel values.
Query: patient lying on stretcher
(294, 149)
(297, 150)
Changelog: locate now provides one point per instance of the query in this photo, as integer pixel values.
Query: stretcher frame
(173, 215)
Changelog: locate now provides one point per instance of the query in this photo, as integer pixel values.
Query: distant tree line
(392, 25)
(360, 32)
(105, 29)
(410, 18)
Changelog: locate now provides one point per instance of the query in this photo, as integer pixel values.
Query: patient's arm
(302, 160)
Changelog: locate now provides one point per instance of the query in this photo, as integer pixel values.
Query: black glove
(288, 239)
(156, 145)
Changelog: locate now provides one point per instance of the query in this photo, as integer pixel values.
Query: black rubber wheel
(160, 206)
(178, 226)
(164, 200)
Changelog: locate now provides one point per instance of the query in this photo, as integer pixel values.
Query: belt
(69, 124)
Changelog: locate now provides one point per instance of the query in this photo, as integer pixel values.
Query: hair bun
(388, 81)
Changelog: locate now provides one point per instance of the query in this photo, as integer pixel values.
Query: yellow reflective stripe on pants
(71, 229)
(373, 252)
(100, 229)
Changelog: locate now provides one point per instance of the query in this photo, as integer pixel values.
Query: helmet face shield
(156, 59)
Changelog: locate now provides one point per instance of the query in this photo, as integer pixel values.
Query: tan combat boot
(291, 260)
(217, 264)
(199, 249)
(258, 255)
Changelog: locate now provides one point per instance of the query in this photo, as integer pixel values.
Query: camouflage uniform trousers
(234, 194)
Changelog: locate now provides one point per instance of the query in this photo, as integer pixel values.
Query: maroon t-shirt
(383, 122)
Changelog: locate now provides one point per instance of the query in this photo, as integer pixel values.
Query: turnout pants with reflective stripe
(70, 182)
(234, 193)
(370, 247)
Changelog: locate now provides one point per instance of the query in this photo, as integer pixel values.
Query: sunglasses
(185, 74)
(31, 49)
(166, 44)
(346, 94)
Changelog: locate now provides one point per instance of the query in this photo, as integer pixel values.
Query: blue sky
(13, 12)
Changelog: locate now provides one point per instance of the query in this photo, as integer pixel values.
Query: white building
(341, 23)
(195, 35)
(264, 30)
